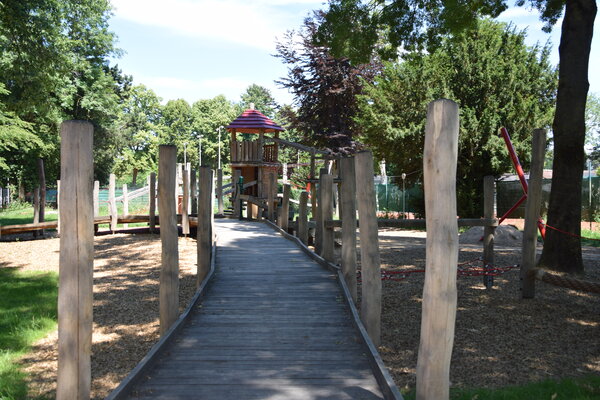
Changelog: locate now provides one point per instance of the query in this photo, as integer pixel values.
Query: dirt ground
(500, 339)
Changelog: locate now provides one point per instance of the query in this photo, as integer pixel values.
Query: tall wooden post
(236, 193)
(185, 219)
(488, 230)
(194, 191)
(219, 189)
(42, 179)
(76, 262)
(112, 203)
(167, 208)
(303, 218)
(326, 211)
(319, 215)
(348, 215)
(313, 187)
(271, 181)
(285, 208)
(532, 213)
(36, 208)
(370, 309)
(96, 198)
(125, 203)
(439, 293)
(152, 201)
(204, 234)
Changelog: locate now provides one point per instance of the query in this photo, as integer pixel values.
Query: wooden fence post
(76, 262)
(36, 208)
(236, 193)
(439, 293)
(194, 191)
(112, 203)
(125, 203)
(152, 201)
(271, 195)
(219, 189)
(96, 198)
(185, 219)
(326, 211)
(532, 213)
(167, 209)
(285, 208)
(42, 179)
(58, 205)
(313, 186)
(303, 218)
(488, 230)
(204, 234)
(319, 215)
(370, 309)
(348, 216)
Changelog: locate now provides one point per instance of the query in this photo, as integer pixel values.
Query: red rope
(571, 234)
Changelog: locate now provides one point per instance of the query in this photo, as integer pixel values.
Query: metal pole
(219, 154)
(185, 153)
(200, 150)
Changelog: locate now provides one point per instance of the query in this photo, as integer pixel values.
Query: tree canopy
(497, 81)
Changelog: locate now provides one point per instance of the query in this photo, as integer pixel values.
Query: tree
(484, 71)
(176, 125)
(354, 27)
(262, 99)
(324, 87)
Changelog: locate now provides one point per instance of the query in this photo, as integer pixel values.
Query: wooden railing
(249, 151)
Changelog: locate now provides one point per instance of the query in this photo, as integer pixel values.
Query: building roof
(253, 121)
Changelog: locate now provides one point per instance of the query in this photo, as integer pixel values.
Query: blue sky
(198, 49)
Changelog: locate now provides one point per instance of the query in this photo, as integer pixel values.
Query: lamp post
(403, 196)
(185, 153)
(200, 150)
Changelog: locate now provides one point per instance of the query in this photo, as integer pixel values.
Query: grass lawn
(23, 214)
(566, 389)
(27, 313)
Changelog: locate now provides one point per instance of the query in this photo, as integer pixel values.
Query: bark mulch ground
(500, 339)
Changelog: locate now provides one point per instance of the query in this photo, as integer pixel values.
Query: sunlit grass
(27, 313)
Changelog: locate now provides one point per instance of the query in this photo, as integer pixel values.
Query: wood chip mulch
(500, 339)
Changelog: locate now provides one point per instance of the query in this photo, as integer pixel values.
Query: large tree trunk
(562, 251)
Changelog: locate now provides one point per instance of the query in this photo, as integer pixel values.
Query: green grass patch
(587, 388)
(23, 214)
(28, 312)
(588, 236)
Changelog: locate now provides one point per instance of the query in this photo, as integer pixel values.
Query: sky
(198, 49)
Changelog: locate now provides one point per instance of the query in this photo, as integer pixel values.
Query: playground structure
(355, 179)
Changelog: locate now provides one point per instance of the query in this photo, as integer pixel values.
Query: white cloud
(250, 23)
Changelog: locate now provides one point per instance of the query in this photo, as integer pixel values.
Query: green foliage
(27, 313)
(356, 28)
(262, 99)
(497, 81)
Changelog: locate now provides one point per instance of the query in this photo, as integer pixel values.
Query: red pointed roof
(253, 121)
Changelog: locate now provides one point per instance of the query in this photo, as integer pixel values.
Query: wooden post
(285, 208)
(313, 187)
(271, 195)
(76, 262)
(112, 203)
(194, 192)
(439, 293)
(236, 193)
(204, 234)
(303, 218)
(167, 209)
(42, 179)
(96, 198)
(488, 231)
(219, 190)
(58, 205)
(185, 219)
(36, 208)
(152, 201)
(370, 309)
(125, 203)
(319, 215)
(327, 215)
(348, 215)
(532, 213)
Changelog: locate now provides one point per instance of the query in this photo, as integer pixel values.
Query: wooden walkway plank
(273, 324)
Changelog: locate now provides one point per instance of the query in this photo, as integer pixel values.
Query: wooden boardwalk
(273, 324)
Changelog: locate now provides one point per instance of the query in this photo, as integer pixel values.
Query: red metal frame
(521, 174)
